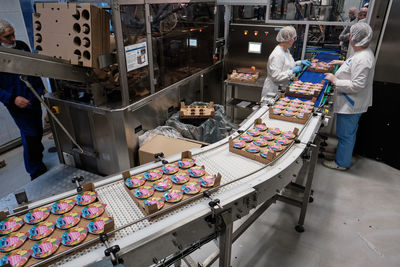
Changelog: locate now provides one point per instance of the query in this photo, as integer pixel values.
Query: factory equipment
(162, 60)
(245, 184)
(162, 51)
(249, 46)
(170, 237)
(324, 10)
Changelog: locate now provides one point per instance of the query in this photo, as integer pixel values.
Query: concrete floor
(14, 176)
(353, 221)
(57, 179)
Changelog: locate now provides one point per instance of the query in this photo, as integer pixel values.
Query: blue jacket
(11, 86)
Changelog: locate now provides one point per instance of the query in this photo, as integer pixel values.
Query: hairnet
(4, 24)
(286, 34)
(362, 12)
(353, 10)
(361, 34)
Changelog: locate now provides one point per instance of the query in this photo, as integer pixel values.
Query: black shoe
(39, 172)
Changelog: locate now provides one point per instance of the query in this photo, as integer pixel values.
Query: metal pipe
(149, 47)
(227, 20)
(119, 41)
(16, 61)
(296, 22)
(242, 228)
(225, 240)
(29, 85)
(303, 51)
(310, 176)
(267, 11)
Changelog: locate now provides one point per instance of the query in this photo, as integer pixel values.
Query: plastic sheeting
(210, 130)
(160, 130)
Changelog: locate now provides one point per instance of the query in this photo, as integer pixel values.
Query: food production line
(106, 108)
(245, 185)
(106, 127)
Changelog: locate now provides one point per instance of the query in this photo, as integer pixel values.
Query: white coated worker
(353, 94)
(281, 67)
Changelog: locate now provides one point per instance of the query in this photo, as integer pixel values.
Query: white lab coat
(354, 79)
(279, 70)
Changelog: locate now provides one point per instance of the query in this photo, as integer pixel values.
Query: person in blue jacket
(24, 108)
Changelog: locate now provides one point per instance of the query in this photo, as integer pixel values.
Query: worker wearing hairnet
(353, 93)
(361, 17)
(23, 106)
(281, 67)
(344, 35)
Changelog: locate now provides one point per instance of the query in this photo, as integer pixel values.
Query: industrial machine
(105, 107)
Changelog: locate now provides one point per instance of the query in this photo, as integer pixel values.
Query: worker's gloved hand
(296, 69)
(306, 62)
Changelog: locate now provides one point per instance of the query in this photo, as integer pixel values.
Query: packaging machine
(245, 184)
(247, 187)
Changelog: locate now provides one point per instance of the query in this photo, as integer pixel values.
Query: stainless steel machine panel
(387, 65)
(240, 38)
(111, 135)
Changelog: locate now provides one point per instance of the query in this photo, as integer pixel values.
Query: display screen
(254, 48)
(193, 42)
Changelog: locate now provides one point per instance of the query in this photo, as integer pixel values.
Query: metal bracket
(77, 180)
(21, 197)
(212, 219)
(111, 251)
(160, 157)
(310, 144)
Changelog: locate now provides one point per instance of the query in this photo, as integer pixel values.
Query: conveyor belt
(316, 77)
(216, 158)
(239, 177)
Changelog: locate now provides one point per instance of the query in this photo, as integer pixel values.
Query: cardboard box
(252, 79)
(256, 156)
(167, 145)
(148, 210)
(196, 112)
(79, 33)
(28, 244)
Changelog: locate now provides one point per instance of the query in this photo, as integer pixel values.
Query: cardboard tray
(58, 232)
(256, 156)
(293, 118)
(295, 94)
(290, 119)
(196, 112)
(148, 210)
(247, 71)
(330, 69)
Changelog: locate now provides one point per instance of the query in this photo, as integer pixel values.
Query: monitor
(254, 48)
(193, 42)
